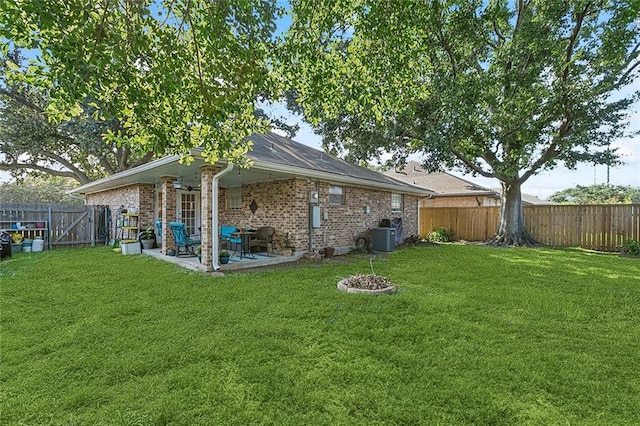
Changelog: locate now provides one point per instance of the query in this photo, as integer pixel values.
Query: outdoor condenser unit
(383, 239)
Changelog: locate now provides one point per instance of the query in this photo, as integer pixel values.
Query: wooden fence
(597, 227)
(64, 225)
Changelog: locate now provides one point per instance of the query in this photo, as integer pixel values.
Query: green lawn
(475, 335)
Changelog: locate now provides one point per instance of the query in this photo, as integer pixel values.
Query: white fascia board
(86, 188)
(336, 178)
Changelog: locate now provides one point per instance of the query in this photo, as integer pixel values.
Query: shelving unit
(29, 229)
(128, 227)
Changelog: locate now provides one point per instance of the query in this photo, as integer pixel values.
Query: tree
(175, 73)
(47, 189)
(74, 148)
(598, 194)
(503, 89)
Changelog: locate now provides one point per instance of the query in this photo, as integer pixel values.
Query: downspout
(214, 215)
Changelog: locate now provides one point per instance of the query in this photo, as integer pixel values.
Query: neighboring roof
(274, 157)
(442, 183)
(447, 185)
(534, 200)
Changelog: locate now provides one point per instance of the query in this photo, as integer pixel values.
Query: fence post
(93, 227)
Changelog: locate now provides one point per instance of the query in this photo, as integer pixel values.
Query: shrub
(631, 247)
(440, 235)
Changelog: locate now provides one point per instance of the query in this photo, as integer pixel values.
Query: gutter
(214, 215)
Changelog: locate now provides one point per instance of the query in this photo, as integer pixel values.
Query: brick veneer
(282, 204)
(168, 211)
(285, 206)
(206, 179)
(139, 196)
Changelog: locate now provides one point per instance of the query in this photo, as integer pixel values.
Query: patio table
(245, 236)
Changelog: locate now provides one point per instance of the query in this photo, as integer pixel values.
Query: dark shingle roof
(441, 182)
(276, 149)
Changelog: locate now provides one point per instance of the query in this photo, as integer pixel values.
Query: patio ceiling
(189, 175)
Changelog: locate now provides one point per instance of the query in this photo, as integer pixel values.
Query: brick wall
(281, 204)
(139, 196)
(285, 206)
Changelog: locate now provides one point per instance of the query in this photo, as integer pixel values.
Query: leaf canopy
(176, 73)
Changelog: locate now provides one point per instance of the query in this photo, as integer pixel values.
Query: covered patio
(313, 200)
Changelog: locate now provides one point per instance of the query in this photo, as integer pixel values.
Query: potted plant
(147, 238)
(287, 245)
(224, 257)
(199, 253)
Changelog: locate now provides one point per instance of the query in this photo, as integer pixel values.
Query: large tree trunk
(511, 230)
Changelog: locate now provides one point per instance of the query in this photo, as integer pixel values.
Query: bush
(440, 235)
(631, 247)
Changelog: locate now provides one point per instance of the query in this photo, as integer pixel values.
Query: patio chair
(226, 240)
(263, 238)
(184, 244)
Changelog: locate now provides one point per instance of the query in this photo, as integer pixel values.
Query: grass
(474, 336)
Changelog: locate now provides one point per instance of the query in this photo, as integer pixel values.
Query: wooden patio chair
(263, 238)
(185, 246)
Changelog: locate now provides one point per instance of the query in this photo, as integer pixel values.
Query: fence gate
(67, 225)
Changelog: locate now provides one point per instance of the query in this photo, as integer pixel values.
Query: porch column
(206, 203)
(168, 212)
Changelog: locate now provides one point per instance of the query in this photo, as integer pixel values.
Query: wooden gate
(66, 225)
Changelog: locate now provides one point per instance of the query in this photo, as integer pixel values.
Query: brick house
(448, 190)
(286, 179)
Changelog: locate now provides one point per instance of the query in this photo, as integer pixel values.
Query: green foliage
(287, 243)
(501, 89)
(46, 189)
(223, 253)
(32, 144)
(148, 233)
(176, 74)
(598, 194)
(631, 247)
(440, 235)
(545, 341)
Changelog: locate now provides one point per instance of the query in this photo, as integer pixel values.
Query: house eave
(119, 180)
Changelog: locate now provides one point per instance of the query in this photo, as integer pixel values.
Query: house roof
(441, 183)
(274, 157)
(447, 185)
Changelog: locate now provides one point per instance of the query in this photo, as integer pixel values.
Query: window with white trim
(336, 194)
(396, 202)
(234, 198)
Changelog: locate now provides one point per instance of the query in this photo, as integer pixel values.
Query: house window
(396, 202)
(336, 195)
(234, 198)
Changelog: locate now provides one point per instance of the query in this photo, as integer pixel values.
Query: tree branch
(572, 40)
(145, 159)
(550, 153)
(470, 164)
(24, 166)
(197, 51)
(22, 100)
